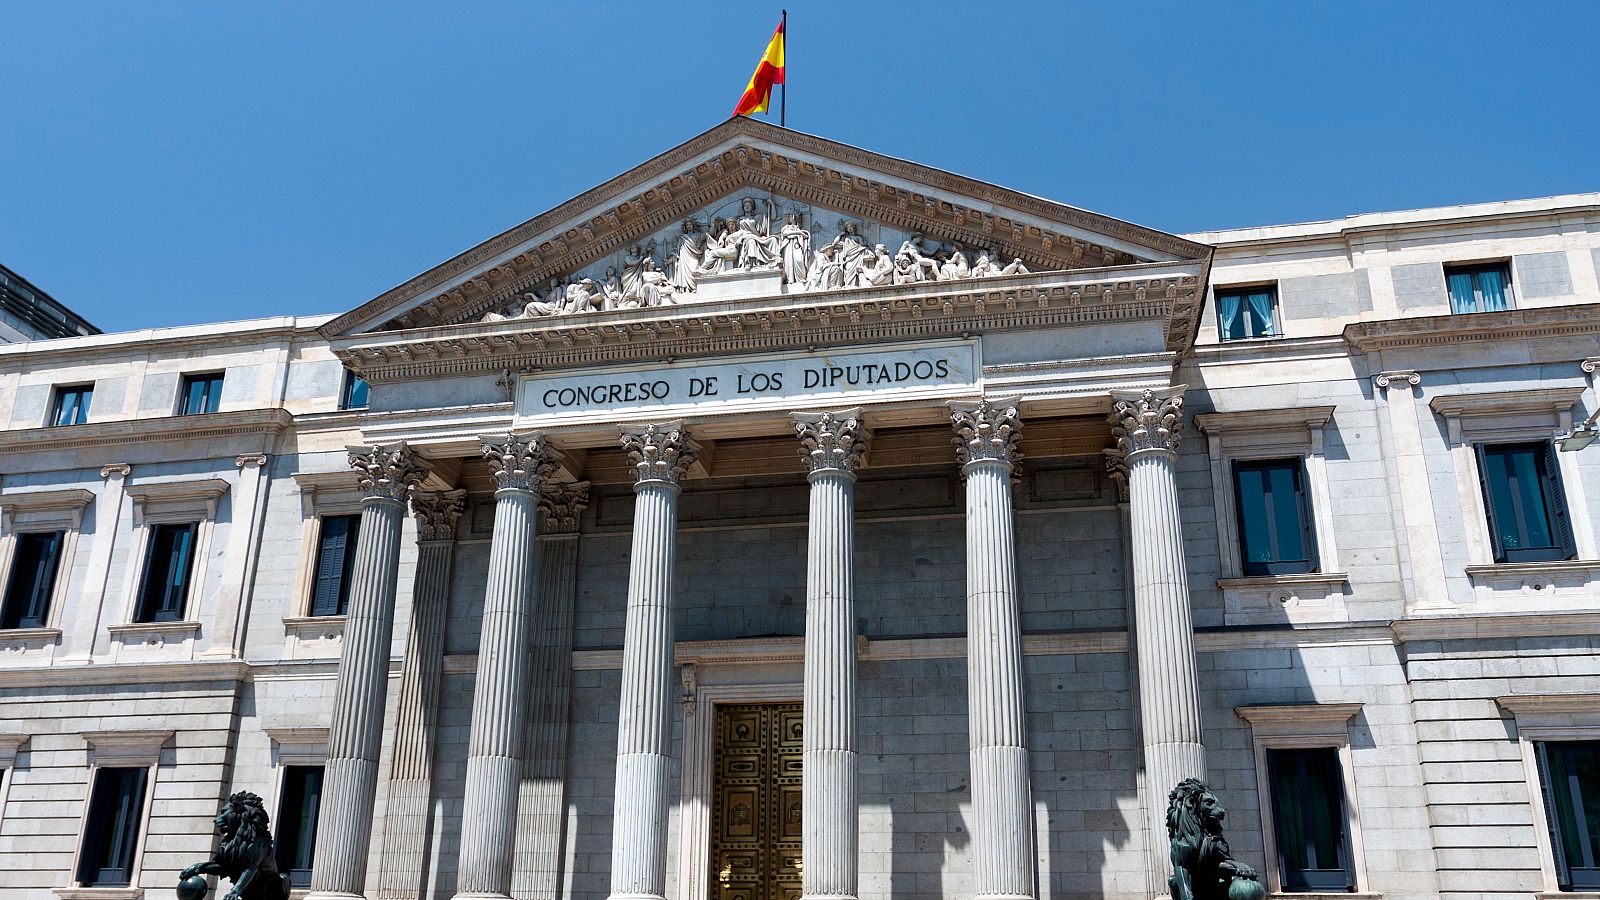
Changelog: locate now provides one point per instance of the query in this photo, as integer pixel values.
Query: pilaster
(1415, 496)
(78, 644)
(239, 560)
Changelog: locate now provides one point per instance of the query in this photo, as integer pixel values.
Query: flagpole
(783, 102)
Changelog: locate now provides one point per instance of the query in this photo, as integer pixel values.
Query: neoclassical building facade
(781, 520)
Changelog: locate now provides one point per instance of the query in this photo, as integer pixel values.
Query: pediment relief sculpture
(765, 235)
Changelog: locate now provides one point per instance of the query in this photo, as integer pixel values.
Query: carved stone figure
(878, 271)
(756, 247)
(691, 254)
(1203, 867)
(920, 263)
(825, 274)
(611, 291)
(721, 251)
(244, 855)
(1015, 267)
(955, 266)
(850, 251)
(794, 250)
(581, 296)
(984, 267)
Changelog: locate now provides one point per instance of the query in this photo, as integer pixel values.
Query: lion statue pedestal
(1202, 866)
(244, 856)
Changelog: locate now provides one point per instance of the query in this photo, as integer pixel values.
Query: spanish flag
(768, 73)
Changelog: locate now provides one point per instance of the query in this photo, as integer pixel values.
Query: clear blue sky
(173, 163)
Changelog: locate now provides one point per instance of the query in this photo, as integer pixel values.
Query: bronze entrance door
(755, 808)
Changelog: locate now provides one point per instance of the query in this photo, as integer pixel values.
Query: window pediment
(1541, 409)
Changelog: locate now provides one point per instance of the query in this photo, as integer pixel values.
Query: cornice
(1494, 403)
(1299, 714)
(177, 490)
(1456, 626)
(1463, 328)
(157, 430)
(792, 322)
(1264, 419)
(1584, 703)
(656, 193)
(73, 499)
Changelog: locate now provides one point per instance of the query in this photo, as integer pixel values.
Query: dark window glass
(33, 578)
(1527, 514)
(201, 394)
(72, 405)
(1309, 821)
(336, 553)
(168, 563)
(355, 392)
(111, 831)
(1571, 773)
(1247, 313)
(1478, 288)
(297, 822)
(1274, 520)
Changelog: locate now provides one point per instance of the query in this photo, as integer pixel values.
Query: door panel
(756, 805)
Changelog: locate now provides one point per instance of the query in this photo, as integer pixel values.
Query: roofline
(219, 332)
(1559, 204)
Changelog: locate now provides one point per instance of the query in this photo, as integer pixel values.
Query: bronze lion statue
(245, 855)
(1202, 866)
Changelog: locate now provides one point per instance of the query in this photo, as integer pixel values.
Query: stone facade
(543, 610)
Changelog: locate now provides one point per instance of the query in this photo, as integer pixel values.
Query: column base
(636, 897)
(480, 895)
(1004, 897)
(333, 895)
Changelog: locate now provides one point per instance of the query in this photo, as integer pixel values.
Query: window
(33, 578)
(166, 573)
(72, 405)
(336, 553)
(298, 804)
(1274, 528)
(1527, 516)
(1308, 820)
(1570, 772)
(354, 395)
(111, 830)
(201, 394)
(1247, 313)
(1484, 288)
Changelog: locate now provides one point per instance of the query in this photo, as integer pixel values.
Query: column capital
(1384, 379)
(1117, 471)
(1147, 420)
(561, 504)
(986, 430)
(258, 460)
(387, 472)
(437, 514)
(520, 462)
(120, 470)
(659, 452)
(832, 441)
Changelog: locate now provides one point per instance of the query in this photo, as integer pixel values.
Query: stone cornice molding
(1562, 704)
(1457, 626)
(342, 482)
(1147, 420)
(1546, 401)
(1384, 379)
(659, 453)
(387, 473)
(1294, 417)
(1298, 717)
(924, 311)
(679, 182)
(438, 514)
(1512, 324)
(520, 462)
(832, 442)
(10, 743)
(562, 504)
(987, 430)
(70, 500)
(126, 748)
(163, 429)
(196, 490)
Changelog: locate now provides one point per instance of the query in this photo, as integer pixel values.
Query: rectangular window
(167, 565)
(1274, 520)
(111, 830)
(72, 405)
(1485, 288)
(1571, 773)
(297, 822)
(1527, 515)
(201, 394)
(1247, 313)
(33, 578)
(1308, 819)
(354, 395)
(336, 553)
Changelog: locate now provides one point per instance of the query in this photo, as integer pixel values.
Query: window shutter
(1488, 505)
(1557, 849)
(1308, 527)
(180, 566)
(44, 581)
(330, 565)
(1556, 500)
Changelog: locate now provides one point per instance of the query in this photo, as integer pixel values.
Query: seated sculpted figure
(721, 250)
(1203, 866)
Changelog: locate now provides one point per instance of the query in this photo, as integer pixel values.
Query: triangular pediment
(739, 184)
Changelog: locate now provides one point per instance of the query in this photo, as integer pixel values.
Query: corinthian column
(350, 779)
(1002, 796)
(833, 445)
(405, 849)
(499, 702)
(660, 454)
(1147, 425)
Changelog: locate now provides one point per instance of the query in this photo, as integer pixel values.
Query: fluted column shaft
(833, 445)
(499, 701)
(1147, 427)
(350, 778)
(1002, 793)
(639, 824)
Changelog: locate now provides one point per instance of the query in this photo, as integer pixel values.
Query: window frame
(59, 539)
(188, 380)
(10, 745)
(1558, 517)
(191, 531)
(1274, 757)
(120, 750)
(347, 389)
(1558, 853)
(1311, 565)
(1243, 291)
(281, 820)
(170, 502)
(1543, 718)
(26, 512)
(346, 566)
(1474, 269)
(294, 745)
(322, 494)
(58, 397)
